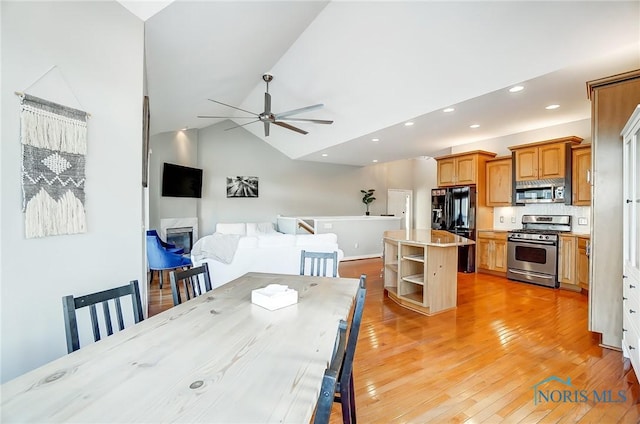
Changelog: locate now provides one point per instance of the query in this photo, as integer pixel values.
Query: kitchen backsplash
(510, 217)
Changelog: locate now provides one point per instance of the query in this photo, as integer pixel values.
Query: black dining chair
(191, 282)
(330, 378)
(318, 262)
(70, 304)
(344, 392)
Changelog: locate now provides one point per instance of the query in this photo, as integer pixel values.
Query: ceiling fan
(267, 117)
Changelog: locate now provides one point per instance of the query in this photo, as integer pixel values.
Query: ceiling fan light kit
(267, 117)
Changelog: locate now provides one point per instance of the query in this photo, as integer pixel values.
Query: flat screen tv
(181, 181)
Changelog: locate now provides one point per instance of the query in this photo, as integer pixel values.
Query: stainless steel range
(532, 252)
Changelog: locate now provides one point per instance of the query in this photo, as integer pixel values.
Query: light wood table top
(216, 358)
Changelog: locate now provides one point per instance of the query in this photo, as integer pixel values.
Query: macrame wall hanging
(54, 146)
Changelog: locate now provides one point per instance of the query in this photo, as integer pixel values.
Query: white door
(397, 205)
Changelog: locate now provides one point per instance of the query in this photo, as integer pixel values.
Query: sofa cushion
(257, 228)
(239, 228)
(276, 240)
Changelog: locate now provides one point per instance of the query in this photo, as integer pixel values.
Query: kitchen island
(421, 269)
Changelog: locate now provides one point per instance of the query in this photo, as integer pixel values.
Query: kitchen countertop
(438, 238)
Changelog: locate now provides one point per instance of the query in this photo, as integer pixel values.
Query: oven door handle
(548, 243)
(535, 274)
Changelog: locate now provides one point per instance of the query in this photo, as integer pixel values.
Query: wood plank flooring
(480, 362)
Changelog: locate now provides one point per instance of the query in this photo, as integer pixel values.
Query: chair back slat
(190, 279)
(95, 325)
(71, 304)
(119, 314)
(318, 263)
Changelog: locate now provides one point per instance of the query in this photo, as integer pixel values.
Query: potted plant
(367, 197)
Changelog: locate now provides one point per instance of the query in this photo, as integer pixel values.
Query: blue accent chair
(169, 246)
(161, 259)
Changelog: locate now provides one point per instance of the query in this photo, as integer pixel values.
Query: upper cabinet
(462, 169)
(542, 160)
(499, 190)
(581, 164)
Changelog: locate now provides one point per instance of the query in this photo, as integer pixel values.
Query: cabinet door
(551, 161)
(466, 169)
(527, 164)
(567, 260)
(446, 172)
(500, 255)
(499, 182)
(484, 253)
(582, 266)
(581, 177)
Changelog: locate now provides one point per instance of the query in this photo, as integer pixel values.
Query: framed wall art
(242, 186)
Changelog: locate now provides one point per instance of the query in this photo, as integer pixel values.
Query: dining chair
(169, 246)
(70, 304)
(344, 391)
(191, 282)
(160, 259)
(318, 262)
(330, 378)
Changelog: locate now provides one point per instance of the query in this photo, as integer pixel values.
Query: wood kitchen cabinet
(582, 262)
(542, 160)
(498, 185)
(491, 247)
(462, 169)
(573, 262)
(567, 261)
(581, 175)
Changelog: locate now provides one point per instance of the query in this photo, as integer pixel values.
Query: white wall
(179, 147)
(98, 50)
(286, 186)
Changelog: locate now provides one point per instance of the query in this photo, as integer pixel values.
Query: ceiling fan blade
(266, 128)
(242, 125)
(267, 103)
(315, 121)
(290, 127)
(227, 117)
(296, 111)
(224, 104)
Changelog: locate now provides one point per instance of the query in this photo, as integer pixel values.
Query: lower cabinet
(573, 262)
(582, 262)
(491, 248)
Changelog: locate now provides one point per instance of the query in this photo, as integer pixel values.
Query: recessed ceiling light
(516, 88)
(184, 128)
(375, 161)
(324, 155)
(375, 139)
(408, 124)
(447, 110)
(551, 107)
(474, 126)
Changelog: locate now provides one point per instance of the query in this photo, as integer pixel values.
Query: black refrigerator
(454, 209)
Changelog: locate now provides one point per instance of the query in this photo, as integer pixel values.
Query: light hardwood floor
(480, 362)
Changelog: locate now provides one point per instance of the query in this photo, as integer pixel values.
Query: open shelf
(415, 279)
(414, 257)
(416, 297)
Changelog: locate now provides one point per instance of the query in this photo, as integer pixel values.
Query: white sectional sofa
(237, 248)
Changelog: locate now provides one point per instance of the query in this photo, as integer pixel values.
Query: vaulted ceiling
(377, 65)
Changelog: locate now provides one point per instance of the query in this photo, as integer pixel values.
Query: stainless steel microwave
(540, 194)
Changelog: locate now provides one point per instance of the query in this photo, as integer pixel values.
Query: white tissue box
(274, 296)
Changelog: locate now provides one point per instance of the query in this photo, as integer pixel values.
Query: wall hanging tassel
(54, 146)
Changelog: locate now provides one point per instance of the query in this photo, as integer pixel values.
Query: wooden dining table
(217, 358)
